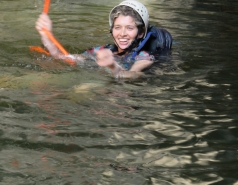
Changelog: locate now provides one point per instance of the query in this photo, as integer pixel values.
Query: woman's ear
(141, 35)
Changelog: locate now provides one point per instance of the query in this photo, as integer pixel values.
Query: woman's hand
(105, 59)
(43, 22)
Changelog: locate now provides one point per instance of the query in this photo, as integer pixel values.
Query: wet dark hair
(128, 11)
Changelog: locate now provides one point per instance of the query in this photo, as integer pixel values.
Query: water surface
(77, 125)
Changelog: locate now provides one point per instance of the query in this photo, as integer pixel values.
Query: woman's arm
(44, 22)
(135, 71)
(105, 59)
(141, 65)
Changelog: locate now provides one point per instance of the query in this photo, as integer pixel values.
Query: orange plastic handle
(46, 6)
(39, 50)
(59, 46)
(53, 39)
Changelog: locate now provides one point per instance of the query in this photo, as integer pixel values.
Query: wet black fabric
(161, 40)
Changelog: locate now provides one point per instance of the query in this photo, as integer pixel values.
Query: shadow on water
(77, 125)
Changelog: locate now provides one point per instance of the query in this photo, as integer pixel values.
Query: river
(77, 125)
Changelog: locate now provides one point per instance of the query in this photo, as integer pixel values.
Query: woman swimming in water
(128, 25)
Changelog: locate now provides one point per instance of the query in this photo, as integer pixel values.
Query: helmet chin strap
(133, 44)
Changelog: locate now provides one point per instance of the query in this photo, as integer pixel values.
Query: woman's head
(129, 22)
(134, 9)
(128, 12)
(125, 33)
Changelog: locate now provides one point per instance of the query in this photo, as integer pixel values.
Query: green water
(77, 125)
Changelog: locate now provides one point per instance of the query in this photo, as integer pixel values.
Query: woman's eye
(116, 28)
(130, 28)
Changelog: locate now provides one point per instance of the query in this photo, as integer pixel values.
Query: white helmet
(139, 8)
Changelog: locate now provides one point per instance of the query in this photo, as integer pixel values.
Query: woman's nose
(123, 31)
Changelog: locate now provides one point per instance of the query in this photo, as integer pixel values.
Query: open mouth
(123, 41)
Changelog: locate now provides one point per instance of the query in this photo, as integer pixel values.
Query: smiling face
(124, 32)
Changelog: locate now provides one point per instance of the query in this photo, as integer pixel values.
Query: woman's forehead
(124, 19)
